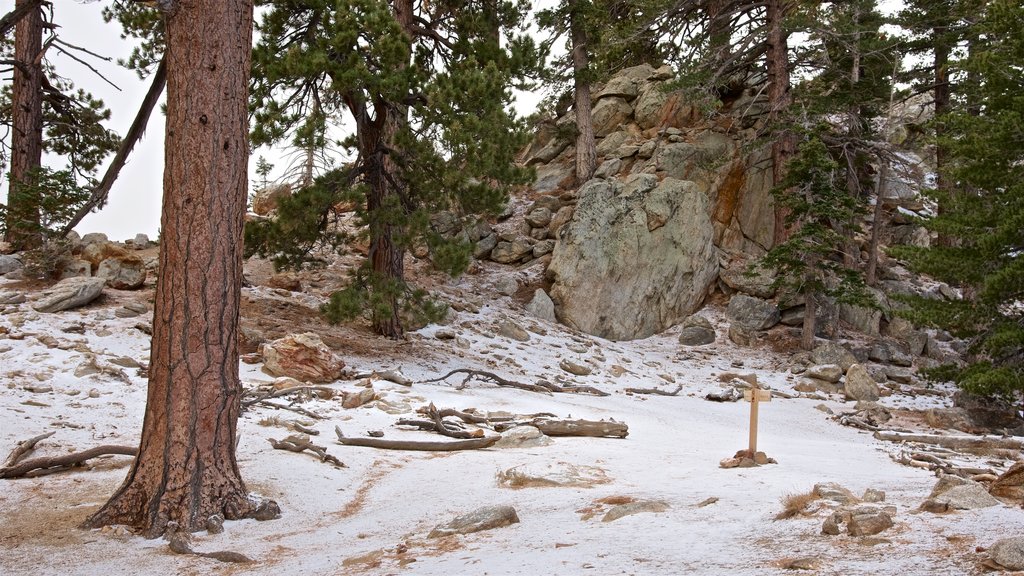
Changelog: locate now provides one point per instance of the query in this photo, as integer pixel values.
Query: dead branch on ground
(296, 409)
(23, 448)
(300, 443)
(542, 387)
(330, 393)
(588, 428)
(953, 442)
(418, 445)
(52, 464)
(654, 391)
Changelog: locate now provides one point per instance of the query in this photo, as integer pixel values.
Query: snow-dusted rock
(860, 385)
(481, 519)
(70, 293)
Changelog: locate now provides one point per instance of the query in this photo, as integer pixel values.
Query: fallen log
(953, 442)
(654, 391)
(417, 445)
(587, 428)
(24, 447)
(52, 464)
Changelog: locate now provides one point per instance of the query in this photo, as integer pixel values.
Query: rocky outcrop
(597, 285)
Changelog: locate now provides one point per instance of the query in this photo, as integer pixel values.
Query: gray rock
(752, 313)
(9, 263)
(826, 372)
(511, 330)
(523, 437)
(610, 144)
(506, 285)
(637, 507)
(967, 497)
(697, 336)
(70, 293)
(94, 238)
(123, 273)
(868, 522)
(648, 106)
(833, 353)
(140, 242)
(987, 412)
(511, 252)
(741, 335)
(541, 306)
(873, 495)
(596, 281)
(608, 114)
(743, 276)
(608, 168)
(543, 247)
(1008, 553)
(621, 86)
(574, 368)
(834, 492)
(482, 249)
(539, 217)
(552, 176)
(860, 385)
(11, 297)
(75, 268)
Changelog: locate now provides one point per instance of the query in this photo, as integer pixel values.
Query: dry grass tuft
(795, 504)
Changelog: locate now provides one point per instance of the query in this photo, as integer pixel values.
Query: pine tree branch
(11, 19)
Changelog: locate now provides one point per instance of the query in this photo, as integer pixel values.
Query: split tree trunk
(186, 469)
(780, 99)
(586, 147)
(22, 220)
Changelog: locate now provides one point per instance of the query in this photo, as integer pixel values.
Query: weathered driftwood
(654, 391)
(52, 464)
(542, 387)
(851, 420)
(389, 375)
(23, 448)
(953, 442)
(418, 445)
(589, 428)
(300, 443)
(331, 392)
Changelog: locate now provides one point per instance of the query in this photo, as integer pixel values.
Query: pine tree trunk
(780, 99)
(386, 257)
(186, 469)
(810, 321)
(871, 275)
(586, 147)
(851, 253)
(942, 107)
(22, 220)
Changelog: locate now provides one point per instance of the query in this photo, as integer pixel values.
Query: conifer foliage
(421, 92)
(984, 212)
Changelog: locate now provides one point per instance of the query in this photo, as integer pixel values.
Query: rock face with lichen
(597, 285)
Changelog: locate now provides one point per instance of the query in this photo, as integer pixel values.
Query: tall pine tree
(984, 212)
(424, 90)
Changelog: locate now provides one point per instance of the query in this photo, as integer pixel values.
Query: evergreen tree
(45, 113)
(985, 213)
(426, 92)
(809, 261)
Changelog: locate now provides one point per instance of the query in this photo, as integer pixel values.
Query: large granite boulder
(598, 286)
(302, 356)
(70, 293)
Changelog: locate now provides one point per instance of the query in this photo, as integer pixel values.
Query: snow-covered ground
(373, 516)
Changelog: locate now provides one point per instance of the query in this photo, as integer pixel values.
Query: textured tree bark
(810, 321)
(22, 220)
(186, 469)
(941, 52)
(586, 148)
(780, 99)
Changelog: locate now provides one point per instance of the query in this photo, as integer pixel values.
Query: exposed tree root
(23, 448)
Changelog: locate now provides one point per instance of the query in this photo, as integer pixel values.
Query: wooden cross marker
(755, 396)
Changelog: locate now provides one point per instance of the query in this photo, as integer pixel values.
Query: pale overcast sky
(134, 203)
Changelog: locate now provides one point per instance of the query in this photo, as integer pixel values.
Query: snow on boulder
(860, 385)
(302, 356)
(70, 293)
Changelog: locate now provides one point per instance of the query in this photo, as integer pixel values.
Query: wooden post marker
(755, 396)
(751, 457)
